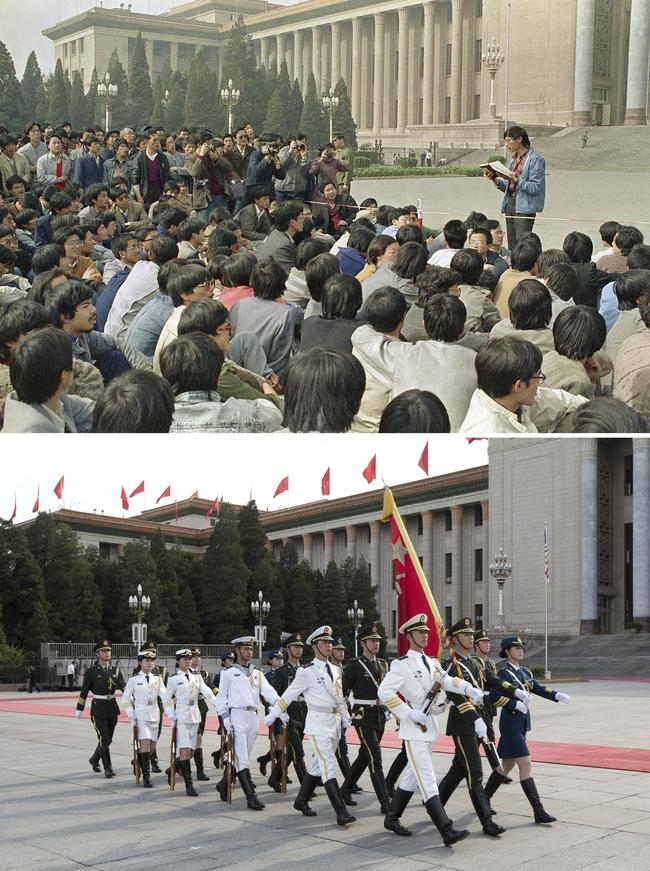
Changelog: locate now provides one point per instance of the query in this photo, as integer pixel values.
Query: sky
(21, 33)
(96, 467)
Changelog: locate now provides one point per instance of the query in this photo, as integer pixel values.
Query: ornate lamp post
(107, 94)
(139, 605)
(355, 616)
(330, 104)
(230, 97)
(260, 610)
(493, 58)
(500, 570)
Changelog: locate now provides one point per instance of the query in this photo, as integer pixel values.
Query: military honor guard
(102, 680)
(342, 753)
(142, 693)
(361, 679)
(195, 668)
(467, 727)
(184, 689)
(274, 660)
(226, 661)
(514, 725)
(237, 703)
(283, 677)
(485, 663)
(419, 679)
(321, 684)
(161, 672)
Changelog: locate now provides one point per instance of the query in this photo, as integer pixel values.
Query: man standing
(327, 715)
(418, 679)
(210, 170)
(297, 710)
(195, 668)
(150, 172)
(72, 673)
(142, 694)
(342, 755)
(102, 680)
(486, 665)
(54, 167)
(344, 154)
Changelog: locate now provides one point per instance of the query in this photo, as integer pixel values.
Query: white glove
(523, 696)
(269, 719)
(227, 725)
(285, 718)
(475, 695)
(418, 717)
(345, 724)
(78, 715)
(438, 707)
(562, 698)
(171, 715)
(521, 707)
(480, 728)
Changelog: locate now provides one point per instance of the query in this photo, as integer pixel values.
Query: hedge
(403, 171)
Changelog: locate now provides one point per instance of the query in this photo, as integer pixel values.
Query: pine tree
(107, 578)
(295, 106)
(312, 122)
(78, 110)
(84, 611)
(276, 119)
(12, 108)
(168, 582)
(22, 591)
(240, 65)
(33, 91)
(299, 608)
(139, 101)
(166, 76)
(342, 121)
(119, 112)
(332, 600)
(265, 575)
(187, 622)
(223, 600)
(201, 107)
(58, 95)
(176, 104)
(158, 110)
(137, 566)
(92, 105)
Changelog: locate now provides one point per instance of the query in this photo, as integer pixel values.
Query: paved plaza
(58, 816)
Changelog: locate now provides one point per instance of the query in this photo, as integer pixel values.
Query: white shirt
(142, 696)
(186, 687)
(487, 416)
(240, 688)
(326, 707)
(139, 287)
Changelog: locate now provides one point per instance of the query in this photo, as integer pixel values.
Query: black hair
(182, 281)
(191, 362)
(189, 227)
(606, 414)
(142, 232)
(172, 217)
(307, 250)
(517, 132)
(529, 305)
(524, 255)
(562, 280)
(93, 191)
(409, 233)
(322, 391)
(579, 331)
(38, 362)
(608, 231)
(578, 246)
(7, 256)
(481, 231)
(318, 270)
(16, 179)
(488, 280)
(627, 238)
(415, 411)
(444, 317)
(387, 214)
(475, 220)
(455, 233)
(360, 237)
(257, 191)
(137, 401)
(644, 307)
(42, 284)
(550, 258)
(61, 234)
(410, 261)
(203, 316)
(268, 279)
(217, 260)
(61, 303)
(286, 212)
(120, 243)
(47, 257)
(630, 286)
(468, 264)
(237, 269)
(163, 248)
(221, 237)
(639, 257)
(16, 320)
(385, 309)
(341, 297)
(369, 202)
(59, 201)
(435, 279)
(378, 247)
(504, 361)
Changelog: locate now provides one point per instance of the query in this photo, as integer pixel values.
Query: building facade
(414, 69)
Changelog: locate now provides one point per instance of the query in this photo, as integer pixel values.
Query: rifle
(228, 766)
(136, 758)
(491, 753)
(172, 759)
(284, 760)
(222, 746)
(428, 701)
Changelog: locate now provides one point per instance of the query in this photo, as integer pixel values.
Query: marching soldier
(226, 661)
(342, 754)
(185, 687)
(102, 680)
(142, 693)
(283, 677)
(237, 702)
(485, 663)
(161, 672)
(418, 679)
(466, 725)
(195, 667)
(361, 679)
(327, 715)
(275, 660)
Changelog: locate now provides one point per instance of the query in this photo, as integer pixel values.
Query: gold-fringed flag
(414, 594)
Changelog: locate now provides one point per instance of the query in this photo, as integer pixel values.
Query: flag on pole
(546, 552)
(13, 514)
(325, 483)
(37, 504)
(414, 594)
(125, 500)
(283, 487)
(139, 489)
(370, 472)
(195, 495)
(166, 493)
(213, 507)
(58, 489)
(423, 462)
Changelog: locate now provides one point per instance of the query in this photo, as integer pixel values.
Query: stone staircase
(612, 656)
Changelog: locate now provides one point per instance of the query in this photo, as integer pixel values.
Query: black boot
(248, 786)
(198, 761)
(154, 762)
(168, 771)
(484, 812)
(495, 780)
(94, 760)
(275, 780)
(532, 795)
(448, 784)
(222, 787)
(398, 805)
(379, 785)
(343, 818)
(304, 794)
(186, 771)
(263, 761)
(144, 769)
(216, 758)
(441, 821)
(346, 795)
(105, 754)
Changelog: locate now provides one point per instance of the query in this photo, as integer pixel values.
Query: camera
(269, 148)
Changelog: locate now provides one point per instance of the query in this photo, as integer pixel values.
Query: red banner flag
(283, 487)
(213, 507)
(58, 489)
(37, 504)
(423, 462)
(325, 483)
(125, 500)
(166, 493)
(195, 495)
(13, 514)
(414, 594)
(370, 472)
(139, 489)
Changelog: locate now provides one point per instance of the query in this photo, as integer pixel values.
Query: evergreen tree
(176, 104)
(33, 91)
(299, 609)
(223, 600)
(158, 110)
(190, 569)
(166, 76)
(78, 110)
(342, 121)
(92, 103)
(360, 588)
(119, 113)
(240, 65)
(84, 611)
(137, 566)
(139, 101)
(332, 600)
(115, 618)
(12, 108)
(187, 623)
(22, 591)
(295, 107)
(168, 581)
(277, 119)
(201, 107)
(312, 122)
(58, 95)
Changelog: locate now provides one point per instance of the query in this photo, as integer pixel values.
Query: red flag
(370, 472)
(58, 490)
(283, 487)
(138, 489)
(423, 462)
(13, 515)
(166, 493)
(213, 507)
(125, 500)
(475, 439)
(37, 504)
(195, 495)
(325, 483)
(414, 594)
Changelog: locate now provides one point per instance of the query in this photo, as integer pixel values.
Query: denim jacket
(531, 187)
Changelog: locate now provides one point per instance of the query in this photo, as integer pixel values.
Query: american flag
(546, 551)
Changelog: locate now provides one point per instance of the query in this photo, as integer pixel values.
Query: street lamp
(230, 97)
(355, 616)
(330, 104)
(139, 605)
(260, 610)
(500, 570)
(493, 58)
(107, 94)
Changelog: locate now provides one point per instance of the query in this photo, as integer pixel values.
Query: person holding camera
(294, 158)
(210, 171)
(264, 166)
(324, 171)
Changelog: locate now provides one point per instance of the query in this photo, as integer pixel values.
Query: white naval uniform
(410, 676)
(326, 711)
(186, 687)
(240, 688)
(141, 696)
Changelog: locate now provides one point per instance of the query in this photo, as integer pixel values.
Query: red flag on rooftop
(139, 489)
(325, 483)
(213, 507)
(195, 495)
(58, 489)
(423, 462)
(414, 594)
(370, 472)
(13, 514)
(125, 500)
(283, 487)
(166, 493)
(37, 504)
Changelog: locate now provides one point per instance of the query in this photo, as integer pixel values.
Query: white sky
(235, 466)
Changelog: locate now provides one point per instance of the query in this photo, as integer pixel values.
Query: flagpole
(547, 673)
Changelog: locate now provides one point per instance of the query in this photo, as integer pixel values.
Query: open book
(500, 169)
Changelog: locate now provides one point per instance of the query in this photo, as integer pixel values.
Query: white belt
(103, 698)
(320, 710)
(245, 708)
(366, 702)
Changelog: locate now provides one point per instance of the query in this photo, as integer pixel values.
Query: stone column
(456, 59)
(584, 65)
(356, 69)
(378, 75)
(264, 52)
(351, 542)
(439, 65)
(485, 506)
(335, 68)
(427, 545)
(589, 536)
(148, 50)
(637, 67)
(641, 533)
(297, 58)
(316, 58)
(402, 67)
(282, 50)
(307, 546)
(375, 566)
(364, 119)
(328, 547)
(456, 597)
(427, 81)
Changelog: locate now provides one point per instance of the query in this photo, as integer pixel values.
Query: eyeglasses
(226, 327)
(132, 247)
(540, 377)
(73, 242)
(150, 238)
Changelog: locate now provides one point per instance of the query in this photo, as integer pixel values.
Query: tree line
(53, 589)
(268, 98)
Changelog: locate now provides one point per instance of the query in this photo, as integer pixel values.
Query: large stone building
(413, 68)
(594, 494)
